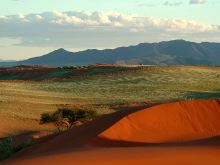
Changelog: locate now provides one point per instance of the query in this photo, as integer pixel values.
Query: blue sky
(206, 13)
(33, 27)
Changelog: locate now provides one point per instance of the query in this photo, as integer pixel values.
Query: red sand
(173, 122)
(140, 130)
(129, 156)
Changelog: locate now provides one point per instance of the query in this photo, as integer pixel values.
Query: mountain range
(175, 52)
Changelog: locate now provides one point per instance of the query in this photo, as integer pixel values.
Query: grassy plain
(22, 102)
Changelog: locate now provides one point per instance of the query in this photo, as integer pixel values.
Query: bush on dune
(65, 119)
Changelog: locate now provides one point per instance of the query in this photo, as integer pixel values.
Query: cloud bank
(83, 29)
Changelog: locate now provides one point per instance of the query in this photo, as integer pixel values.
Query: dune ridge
(168, 123)
(136, 136)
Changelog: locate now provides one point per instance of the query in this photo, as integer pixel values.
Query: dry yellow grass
(22, 103)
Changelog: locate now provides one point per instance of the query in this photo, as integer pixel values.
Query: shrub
(67, 118)
(46, 117)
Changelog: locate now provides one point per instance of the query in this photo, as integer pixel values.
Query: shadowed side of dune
(179, 122)
(77, 137)
(209, 142)
(172, 124)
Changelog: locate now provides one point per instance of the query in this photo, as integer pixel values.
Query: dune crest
(168, 123)
(196, 121)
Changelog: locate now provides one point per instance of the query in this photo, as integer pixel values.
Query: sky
(31, 28)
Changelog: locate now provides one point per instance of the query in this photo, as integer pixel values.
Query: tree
(65, 119)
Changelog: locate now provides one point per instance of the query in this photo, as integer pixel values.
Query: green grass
(157, 84)
(27, 100)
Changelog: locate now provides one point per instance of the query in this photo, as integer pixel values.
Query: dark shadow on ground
(102, 142)
(203, 95)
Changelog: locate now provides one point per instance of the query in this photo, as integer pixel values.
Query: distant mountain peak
(174, 52)
(175, 41)
(60, 50)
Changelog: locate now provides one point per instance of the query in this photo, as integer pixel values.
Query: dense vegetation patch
(67, 118)
(61, 73)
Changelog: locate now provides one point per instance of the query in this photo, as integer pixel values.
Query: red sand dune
(138, 130)
(173, 122)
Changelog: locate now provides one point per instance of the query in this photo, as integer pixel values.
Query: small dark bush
(66, 118)
(45, 118)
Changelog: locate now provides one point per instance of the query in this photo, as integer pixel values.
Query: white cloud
(64, 18)
(2, 18)
(38, 17)
(98, 29)
(22, 17)
(59, 14)
(129, 22)
(197, 1)
(167, 3)
(111, 21)
(183, 26)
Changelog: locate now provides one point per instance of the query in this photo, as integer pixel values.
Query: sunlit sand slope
(172, 122)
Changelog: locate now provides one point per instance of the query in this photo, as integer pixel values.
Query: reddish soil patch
(26, 72)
